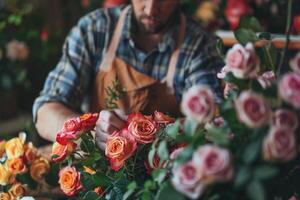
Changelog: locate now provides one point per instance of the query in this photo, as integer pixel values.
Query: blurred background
(32, 33)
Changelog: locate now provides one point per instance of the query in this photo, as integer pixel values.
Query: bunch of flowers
(21, 168)
(91, 172)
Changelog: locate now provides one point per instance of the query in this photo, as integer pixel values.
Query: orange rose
(162, 119)
(60, 152)
(119, 146)
(2, 148)
(143, 130)
(17, 190)
(16, 166)
(5, 196)
(69, 180)
(88, 121)
(89, 170)
(39, 168)
(30, 153)
(6, 176)
(98, 190)
(14, 148)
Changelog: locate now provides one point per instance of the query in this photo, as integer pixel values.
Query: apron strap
(111, 52)
(175, 55)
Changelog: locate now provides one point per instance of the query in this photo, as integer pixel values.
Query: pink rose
(242, 61)
(285, 118)
(289, 89)
(279, 145)
(71, 130)
(186, 179)
(198, 103)
(252, 109)
(295, 63)
(214, 164)
(266, 79)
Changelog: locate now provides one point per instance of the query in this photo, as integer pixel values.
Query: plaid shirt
(86, 44)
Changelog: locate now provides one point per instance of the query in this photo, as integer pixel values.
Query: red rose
(279, 145)
(289, 89)
(296, 23)
(234, 10)
(198, 103)
(142, 129)
(252, 109)
(88, 121)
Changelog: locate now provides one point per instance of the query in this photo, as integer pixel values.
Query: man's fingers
(121, 114)
(111, 118)
(102, 145)
(106, 127)
(101, 136)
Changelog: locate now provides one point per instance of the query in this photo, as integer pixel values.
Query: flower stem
(287, 30)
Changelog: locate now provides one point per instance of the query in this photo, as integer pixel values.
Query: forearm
(50, 119)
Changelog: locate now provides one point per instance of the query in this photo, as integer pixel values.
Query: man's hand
(108, 122)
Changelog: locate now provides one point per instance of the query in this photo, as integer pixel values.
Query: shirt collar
(168, 40)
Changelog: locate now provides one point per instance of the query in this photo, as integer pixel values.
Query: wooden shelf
(278, 40)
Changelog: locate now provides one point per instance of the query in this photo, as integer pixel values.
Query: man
(148, 53)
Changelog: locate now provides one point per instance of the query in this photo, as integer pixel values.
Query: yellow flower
(4, 196)
(206, 11)
(17, 190)
(39, 168)
(16, 166)
(89, 170)
(6, 177)
(14, 148)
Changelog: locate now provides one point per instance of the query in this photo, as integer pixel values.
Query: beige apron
(138, 92)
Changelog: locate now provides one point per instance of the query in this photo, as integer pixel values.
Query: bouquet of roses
(21, 168)
(89, 173)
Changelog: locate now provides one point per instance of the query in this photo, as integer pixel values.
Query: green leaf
(159, 175)
(217, 135)
(162, 151)
(251, 152)
(185, 155)
(173, 129)
(100, 179)
(242, 176)
(87, 144)
(151, 155)
(146, 195)
(130, 190)
(91, 195)
(26, 178)
(166, 191)
(240, 83)
(255, 191)
(52, 177)
(190, 126)
(148, 185)
(245, 35)
(263, 172)
(250, 23)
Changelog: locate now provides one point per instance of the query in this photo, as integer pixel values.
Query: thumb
(121, 114)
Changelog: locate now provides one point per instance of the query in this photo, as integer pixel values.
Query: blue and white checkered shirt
(83, 50)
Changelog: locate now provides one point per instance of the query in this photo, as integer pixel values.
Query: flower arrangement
(245, 147)
(22, 169)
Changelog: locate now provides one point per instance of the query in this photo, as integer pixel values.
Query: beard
(158, 25)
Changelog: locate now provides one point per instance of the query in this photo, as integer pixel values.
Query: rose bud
(265, 80)
(295, 62)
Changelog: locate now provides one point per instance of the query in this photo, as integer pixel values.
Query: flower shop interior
(243, 143)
